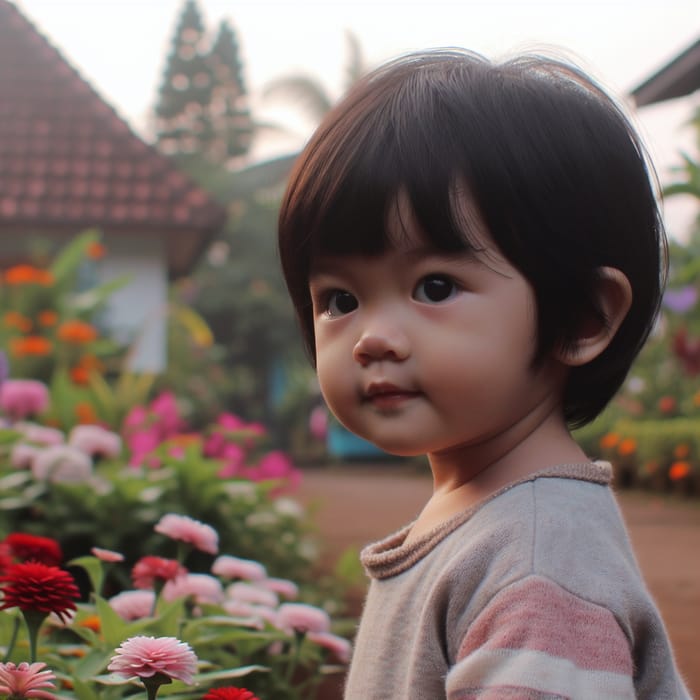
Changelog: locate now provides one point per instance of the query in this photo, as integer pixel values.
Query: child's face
(423, 352)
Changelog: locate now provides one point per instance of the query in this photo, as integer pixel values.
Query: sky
(121, 46)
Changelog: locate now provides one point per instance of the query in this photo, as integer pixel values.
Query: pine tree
(202, 108)
(230, 116)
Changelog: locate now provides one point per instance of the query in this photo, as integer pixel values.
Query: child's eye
(434, 289)
(339, 302)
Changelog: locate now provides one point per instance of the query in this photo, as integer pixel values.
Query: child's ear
(614, 298)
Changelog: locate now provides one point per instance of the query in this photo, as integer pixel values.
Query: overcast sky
(120, 46)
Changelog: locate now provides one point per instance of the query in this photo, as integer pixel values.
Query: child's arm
(536, 640)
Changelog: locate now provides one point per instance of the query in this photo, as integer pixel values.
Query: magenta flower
(62, 463)
(165, 408)
(133, 605)
(146, 657)
(299, 617)
(20, 398)
(227, 566)
(26, 681)
(186, 529)
(95, 441)
(142, 443)
(318, 423)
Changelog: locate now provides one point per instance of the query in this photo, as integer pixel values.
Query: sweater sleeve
(537, 641)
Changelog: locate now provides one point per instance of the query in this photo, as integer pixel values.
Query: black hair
(550, 162)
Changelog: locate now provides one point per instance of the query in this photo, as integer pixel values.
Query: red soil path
(355, 504)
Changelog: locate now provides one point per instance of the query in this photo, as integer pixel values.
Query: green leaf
(94, 569)
(114, 629)
(71, 257)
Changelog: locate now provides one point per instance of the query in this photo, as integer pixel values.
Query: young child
(475, 254)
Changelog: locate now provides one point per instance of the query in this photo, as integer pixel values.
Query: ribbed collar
(390, 556)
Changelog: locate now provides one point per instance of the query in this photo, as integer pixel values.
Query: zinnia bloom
(95, 441)
(26, 680)
(149, 569)
(229, 693)
(36, 587)
(28, 274)
(185, 529)
(27, 547)
(300, 617)
(107, 555)
(144, 657)
(30, 345)
(201, 587)
(233, 567)
(40, 434)
(133, 605)
(76, 332)
(61, 463)
(253, 594)
(339, 646)
(20, 398)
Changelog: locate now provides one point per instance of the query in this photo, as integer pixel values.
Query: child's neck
(469, 474)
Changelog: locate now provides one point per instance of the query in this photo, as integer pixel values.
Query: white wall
(137, 313)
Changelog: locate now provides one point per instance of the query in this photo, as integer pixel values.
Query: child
(475, 254)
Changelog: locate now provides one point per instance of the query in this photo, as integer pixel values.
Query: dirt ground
(356, 504)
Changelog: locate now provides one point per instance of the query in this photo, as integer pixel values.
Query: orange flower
(96, 250)
(696, 399)
(679, 470)
(47, 318)
(31, 345)
(627, 447)
(80, 375)
(28, 274)
(609, 440)
(667, 404)
(14, 319)
(77, 332)
(85, 413)
(651, 467)
(681, 451)
(92, 622)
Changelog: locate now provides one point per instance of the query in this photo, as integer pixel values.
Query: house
(679, 77)
(69, 162)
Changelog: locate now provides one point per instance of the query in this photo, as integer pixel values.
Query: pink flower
(23, 455)
(318, 423)
(302, 618)
(20, 398)
(246, 593)
(61, 463)
(26, 680)
(142, 443)
(281, 586)
(201, 587)
(337, 645)
(232, 567)
(40, 434)
(150, 570)
(133, 605)
(144, 657)
(165, 408)
(185, 529)
(234, 457)
(95, 441)
(136, 418)
(107, 555)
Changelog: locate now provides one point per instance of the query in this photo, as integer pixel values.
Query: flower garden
(144, 555)
(141, 557)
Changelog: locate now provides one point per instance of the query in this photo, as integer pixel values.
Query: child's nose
(381, 343)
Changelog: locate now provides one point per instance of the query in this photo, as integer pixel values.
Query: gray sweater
(534, 594)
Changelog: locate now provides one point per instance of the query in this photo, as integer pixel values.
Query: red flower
(229, 693)
(149, 569)
(34, 548)
(36, 587)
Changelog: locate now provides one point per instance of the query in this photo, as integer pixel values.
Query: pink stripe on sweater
(538, 615)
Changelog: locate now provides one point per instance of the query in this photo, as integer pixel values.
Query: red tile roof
(68, 161)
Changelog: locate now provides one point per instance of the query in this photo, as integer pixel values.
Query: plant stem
(13, 637)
